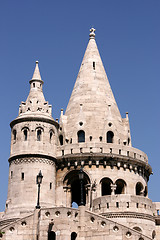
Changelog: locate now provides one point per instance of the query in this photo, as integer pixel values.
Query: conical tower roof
(92, 89)
(92, 106)
(35, 105)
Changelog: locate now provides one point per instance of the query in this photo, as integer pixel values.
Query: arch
(51, 235)
(81, 136)
(110, 136)
(72, 181)
(61, 139)
(106, 186)
(73, 236)
(138, 229)
(121, 186)
(139, 189)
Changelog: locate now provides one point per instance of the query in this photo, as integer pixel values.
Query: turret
(33, 148)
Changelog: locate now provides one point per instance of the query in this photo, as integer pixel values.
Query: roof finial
(92, 33)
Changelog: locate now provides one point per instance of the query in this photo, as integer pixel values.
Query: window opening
(100, 138)
(110, 136)
(34, 85)
(139, 188)
(11, 174)
(50, 185)
(51, 235)
(39, 133)
(61, 140)
(120, 189)
(117, 204)
(94, 65)
(81, 136)
(106, 186)
(22, 176)
(50, 136)
(73, 236)
(14, 135)
(90, 138)
(25, 134)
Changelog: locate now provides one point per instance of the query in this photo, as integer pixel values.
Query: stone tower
(33, 148)
(94, 182)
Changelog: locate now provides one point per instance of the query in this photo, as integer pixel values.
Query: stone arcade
(92, 136)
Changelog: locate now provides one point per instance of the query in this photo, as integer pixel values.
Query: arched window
(139, 189)
(14, 135)
(121, 185)
(106, 186)
(129, 141)
(61, 139)
(73, 182)
(153, 234)
(51, 235)
(73, 236)
(81, 136)
(51, 133)
(25, 132)
(110, 136)
(39, 134)
(145, 191)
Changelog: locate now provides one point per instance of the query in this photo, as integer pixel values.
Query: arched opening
(39, 134)
(129, 141)
(106, 186)
(138, 229)
(61, 140)
(73, 236)
(121, 186)
(14, 135)
(72, 182)
(51, 133)
(51, 235)
(25, 132)
(81, 136)
(110, 136)
(139, 189)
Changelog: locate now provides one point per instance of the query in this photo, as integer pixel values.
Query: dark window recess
(110, 136)
(107, 205)
(11, 174)
(22, 176)
(61, 140)
(73, 236)
(100, 138)
(106, 186)
(94, 65)
(39, 133)
(51, 235)
(50, 136)
(90, 138)
(14, 135)
(117, 204)
(25, 134)
(33, 84)
(50, 185)
(81, 136)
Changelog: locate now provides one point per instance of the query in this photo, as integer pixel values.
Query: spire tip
(92, 33)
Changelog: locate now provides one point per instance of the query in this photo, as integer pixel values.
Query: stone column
(113, 189)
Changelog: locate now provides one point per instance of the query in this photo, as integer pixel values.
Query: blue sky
(56, 33)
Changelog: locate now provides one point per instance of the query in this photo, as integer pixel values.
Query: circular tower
(93, 135)
(33, 148)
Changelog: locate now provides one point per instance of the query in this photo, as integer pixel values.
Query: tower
(94, 182)
(33, 148)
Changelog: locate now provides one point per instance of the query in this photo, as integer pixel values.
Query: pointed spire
(36, 74)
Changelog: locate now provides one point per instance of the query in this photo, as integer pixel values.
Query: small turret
(33, 148)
